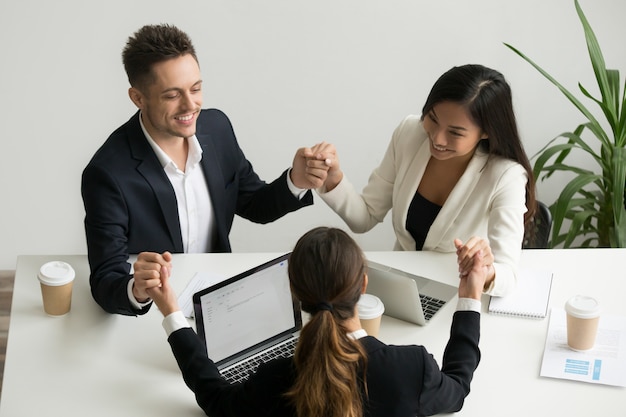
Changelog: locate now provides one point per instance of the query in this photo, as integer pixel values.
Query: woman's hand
(327, 153)
(466, 252)
(471, 285)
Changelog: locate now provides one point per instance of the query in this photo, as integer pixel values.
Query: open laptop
(248, 319)
(408, 297)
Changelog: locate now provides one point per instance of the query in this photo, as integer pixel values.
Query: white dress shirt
(193, 199)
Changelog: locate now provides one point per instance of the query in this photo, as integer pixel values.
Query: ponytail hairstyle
(326, 272)
(487, 97)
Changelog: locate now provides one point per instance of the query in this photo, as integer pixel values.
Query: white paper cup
(56, 279)
(371, 309)
(583, 315)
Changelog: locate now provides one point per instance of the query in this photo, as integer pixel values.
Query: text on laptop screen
(247, 311)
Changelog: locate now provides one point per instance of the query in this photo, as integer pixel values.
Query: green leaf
(597, 59)
(561, 151)
(588, 243)
(567, 168)
(619, 183)
(618, 237)
(565, 91)
(620, 134)
(578, 226)
(562, 204)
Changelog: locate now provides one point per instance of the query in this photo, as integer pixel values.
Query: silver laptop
(248, 319)
(408, 297)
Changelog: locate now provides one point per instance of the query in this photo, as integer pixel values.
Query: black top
(422, 213)
(401, 380)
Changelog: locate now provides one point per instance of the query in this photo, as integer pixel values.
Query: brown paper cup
(56, 280)
(371, 309)
(371, 326)
(57, 301)
(581, 333)
(583, 316)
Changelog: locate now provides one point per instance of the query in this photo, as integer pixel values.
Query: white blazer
(488, 201)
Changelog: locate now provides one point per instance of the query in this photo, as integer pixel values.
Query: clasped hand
(316, 166)
(148, 270)
(466, 258)
(152, 281)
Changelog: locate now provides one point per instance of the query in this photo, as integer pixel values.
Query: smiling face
(171, 103)
(451, 131)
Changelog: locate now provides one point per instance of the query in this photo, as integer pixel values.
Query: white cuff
(297, 192)
(468, 304)
(174, 321)
(133, 301)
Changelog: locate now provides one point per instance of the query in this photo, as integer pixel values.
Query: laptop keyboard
(242, 370)
(430, 305)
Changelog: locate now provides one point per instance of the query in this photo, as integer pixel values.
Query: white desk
(92, 363)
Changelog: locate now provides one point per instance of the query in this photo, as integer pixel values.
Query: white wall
(288, 73)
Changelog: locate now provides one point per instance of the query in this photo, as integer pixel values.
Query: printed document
(605, 363)
(200, 281)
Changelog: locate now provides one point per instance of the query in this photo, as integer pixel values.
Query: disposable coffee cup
(583, 315)
(56, 279)
(371, 309)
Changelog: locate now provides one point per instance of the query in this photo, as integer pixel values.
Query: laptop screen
(244, 311)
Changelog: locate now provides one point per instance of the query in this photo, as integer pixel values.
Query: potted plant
(593, 202)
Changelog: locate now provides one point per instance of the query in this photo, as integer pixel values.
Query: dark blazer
(130, 205)
(401, 380)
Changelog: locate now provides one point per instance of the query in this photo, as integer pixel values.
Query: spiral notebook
(529, 299)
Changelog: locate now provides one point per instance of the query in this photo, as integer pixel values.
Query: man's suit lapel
(150, 168)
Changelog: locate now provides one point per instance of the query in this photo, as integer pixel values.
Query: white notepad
(530, 297)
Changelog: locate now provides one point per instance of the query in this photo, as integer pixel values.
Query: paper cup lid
(582, 307)
(56, 273)
(370, 307)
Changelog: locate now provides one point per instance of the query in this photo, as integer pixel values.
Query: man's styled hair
(150, 45)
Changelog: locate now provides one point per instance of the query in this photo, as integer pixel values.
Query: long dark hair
(487, 97)
(326, 272)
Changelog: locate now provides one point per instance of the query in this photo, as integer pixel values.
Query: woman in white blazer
(455, 178)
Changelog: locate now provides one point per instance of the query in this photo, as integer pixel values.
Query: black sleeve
(444, 390)
(261, 395)
(106, 229)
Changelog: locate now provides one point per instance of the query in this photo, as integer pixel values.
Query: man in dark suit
(172, 178)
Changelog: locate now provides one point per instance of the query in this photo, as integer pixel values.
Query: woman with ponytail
(327, 274)
(337, 370)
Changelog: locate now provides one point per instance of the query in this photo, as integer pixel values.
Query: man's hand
(147, 273)
(328, 153)
(311, 165)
